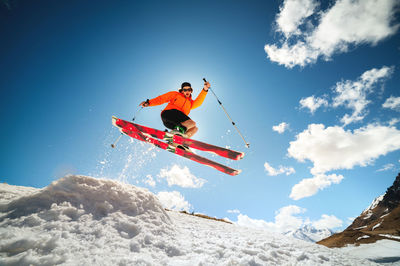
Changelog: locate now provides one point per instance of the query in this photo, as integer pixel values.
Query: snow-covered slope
(80, 220)
(309, 233)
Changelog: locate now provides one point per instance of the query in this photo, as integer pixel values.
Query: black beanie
(185, 84)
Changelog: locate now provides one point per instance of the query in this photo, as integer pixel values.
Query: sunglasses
(188, 89)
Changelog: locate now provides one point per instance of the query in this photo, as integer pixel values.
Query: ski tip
(240, 156)
(114, 120)
(236, 172)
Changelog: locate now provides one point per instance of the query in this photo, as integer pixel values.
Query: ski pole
(136, 114)
(233, 123)
(133, 119)
(115, 142)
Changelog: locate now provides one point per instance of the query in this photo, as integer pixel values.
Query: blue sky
(316, 96)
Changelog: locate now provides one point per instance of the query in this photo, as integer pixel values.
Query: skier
(175, 115)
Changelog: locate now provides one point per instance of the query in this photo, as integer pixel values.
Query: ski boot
(178, 130)
(173, 146)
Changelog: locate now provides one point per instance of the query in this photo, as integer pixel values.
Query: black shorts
(172, 118)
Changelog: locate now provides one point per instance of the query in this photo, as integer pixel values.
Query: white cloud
(292, 14)
(181, 177)
(285, 220)
(233, 211)
(282, 170)
(288, 218)
(346, 23)
(173, 201)
(282, 127)
(353, 94)
(386, 167)
(334, 148)
(313, 103)
(310, 186)
(327, 221)
(290, 56)
(392, 103)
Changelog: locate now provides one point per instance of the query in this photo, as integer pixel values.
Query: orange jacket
(177, 100)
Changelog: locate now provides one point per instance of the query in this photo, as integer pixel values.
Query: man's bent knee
(189, 124)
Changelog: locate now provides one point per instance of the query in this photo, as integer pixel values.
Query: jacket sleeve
(162, 98)
(200, 99)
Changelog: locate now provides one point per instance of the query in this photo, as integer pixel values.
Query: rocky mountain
(381, 220)
(309, 233)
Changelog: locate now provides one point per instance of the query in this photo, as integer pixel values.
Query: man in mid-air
(175, 115)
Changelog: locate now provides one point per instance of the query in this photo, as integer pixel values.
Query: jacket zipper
(184, 103)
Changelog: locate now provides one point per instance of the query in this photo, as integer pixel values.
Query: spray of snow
(125, 161)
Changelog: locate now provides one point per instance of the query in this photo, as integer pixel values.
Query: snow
(368, 215)
(80, 220)
(390, 236)
(368, 211)
(384, 251)
(361, 227)
(362, 237)
(384, 215)
(374, 203)
(8, 192)
(376, 226)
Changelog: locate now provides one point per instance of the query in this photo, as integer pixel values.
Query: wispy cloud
(353, 94)
(392, 103)
(149, 180)
(393, 121)
(181, 177)
(343, 25)
(386, 167)
(280, 170)
(282, 127)
(173, 200)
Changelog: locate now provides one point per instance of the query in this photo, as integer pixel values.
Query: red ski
(195, 144)
(131, 130)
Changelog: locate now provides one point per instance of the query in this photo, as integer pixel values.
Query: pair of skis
(154, 136)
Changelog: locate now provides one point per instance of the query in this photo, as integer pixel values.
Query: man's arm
(159, 100)
(200, 99)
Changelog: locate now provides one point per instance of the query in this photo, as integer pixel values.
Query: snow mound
(93, 196)
(80, 220)
(9, 192)
(79, 215)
